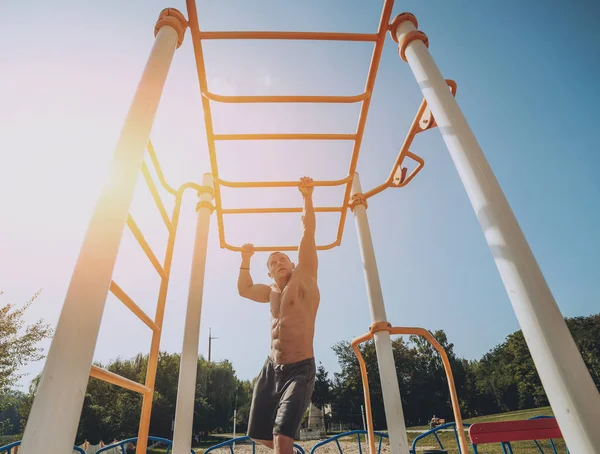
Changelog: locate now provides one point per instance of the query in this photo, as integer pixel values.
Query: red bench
(507, 431)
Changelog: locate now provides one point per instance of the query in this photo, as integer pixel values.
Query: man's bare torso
(293, 315)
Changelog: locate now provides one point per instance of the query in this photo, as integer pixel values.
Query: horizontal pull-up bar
(287, 99)
(324, 247)
(279, 184)
(284, 136)
(279, 210)
(300, 36)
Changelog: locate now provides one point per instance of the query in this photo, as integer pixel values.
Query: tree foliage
(19, 344)
(504, 379)
(110, 412)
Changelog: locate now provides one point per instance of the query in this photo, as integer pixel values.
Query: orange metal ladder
(163, 269)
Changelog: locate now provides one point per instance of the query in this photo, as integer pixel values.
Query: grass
(449, 443)
(447, 438)
(526, 447)
(511, 415)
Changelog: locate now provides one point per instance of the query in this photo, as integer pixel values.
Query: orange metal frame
(385, 326)
(398, 176)
(163, 269)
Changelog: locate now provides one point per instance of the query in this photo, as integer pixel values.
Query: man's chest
(297, 295)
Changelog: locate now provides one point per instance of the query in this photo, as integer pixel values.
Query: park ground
(349, 445)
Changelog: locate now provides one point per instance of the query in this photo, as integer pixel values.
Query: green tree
(110, 412)
(322, 392)
(19, 344)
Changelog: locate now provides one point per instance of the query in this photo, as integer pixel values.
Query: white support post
(59, 398)
(570, 389)
(362, 412)
(186, 390)
(234, 424)
(383, 344)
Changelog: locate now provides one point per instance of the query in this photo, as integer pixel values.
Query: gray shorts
(281, 396)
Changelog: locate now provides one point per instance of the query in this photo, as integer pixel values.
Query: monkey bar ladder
(353, 197)
(364, 98)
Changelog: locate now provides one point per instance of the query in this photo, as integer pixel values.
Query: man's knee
(267, 443)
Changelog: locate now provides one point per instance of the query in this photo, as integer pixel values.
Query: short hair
(276, 252)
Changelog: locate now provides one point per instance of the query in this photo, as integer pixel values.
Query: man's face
(279, 265)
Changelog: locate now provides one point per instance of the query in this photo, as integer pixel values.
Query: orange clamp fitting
(173, 18)
(207, 190)
(380, 326)
(408, 38)
(398, 20)
(358, 199)
(203, 204)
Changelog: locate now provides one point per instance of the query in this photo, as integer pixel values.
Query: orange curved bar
(453, 395)
(279, 184)
(284, 136)
(418, 125)
(286, 99)
(158, 170)
(367, 394)
(314, 36)
(324, 247)
(155, 195)
(420, 164)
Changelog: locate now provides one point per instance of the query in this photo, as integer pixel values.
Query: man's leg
(283, 444)
(263, 407)
(293, 405)
(267, 443)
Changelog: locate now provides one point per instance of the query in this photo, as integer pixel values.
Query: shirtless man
(285, 384)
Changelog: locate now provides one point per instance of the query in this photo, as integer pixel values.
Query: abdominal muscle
(293, 316)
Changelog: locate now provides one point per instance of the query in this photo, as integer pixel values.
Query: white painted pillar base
(186, 390)
(383, 345)
(57, 405)
(568, 384)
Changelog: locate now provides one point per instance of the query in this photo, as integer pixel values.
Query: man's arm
(307, 252)
(246, 287)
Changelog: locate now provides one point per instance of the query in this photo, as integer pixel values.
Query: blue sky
(527, 77)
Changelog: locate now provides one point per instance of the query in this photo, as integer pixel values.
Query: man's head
(279, 265)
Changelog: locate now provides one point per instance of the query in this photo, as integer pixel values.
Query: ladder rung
(278, 210)
(287, 99)
(145, 246)
(317, 36)
(279, 184)
(115, 379)
(284, 137)
(324, 247)
(127, 301)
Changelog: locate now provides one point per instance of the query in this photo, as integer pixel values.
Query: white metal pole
(362, 412)
(383, 345)
(570, 389)
(186, 389)
(59, 398)
(234, 421)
